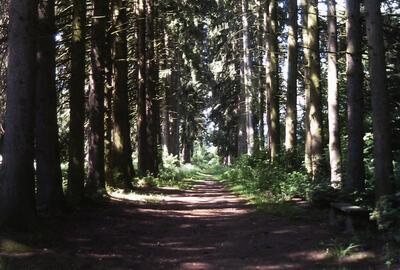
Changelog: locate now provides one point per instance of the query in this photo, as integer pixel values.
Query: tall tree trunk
(121, 143)
(333, 97)
(273, 79)
(291, 99)
(151, 89)
(96, 175)
(383, 171)
(167, 82)
(76, 151)
(108, 106)
(50, 194)
(157, 100)
(354, 73)
(143, 147)
(248, 80)
(307, 89)
(18, 180)
(315, 109)
(261, 73)
(175, 115)
(267, 83)
(242, 134)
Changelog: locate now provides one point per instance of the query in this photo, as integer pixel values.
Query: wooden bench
(350, 211)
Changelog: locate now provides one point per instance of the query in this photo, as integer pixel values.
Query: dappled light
(204, 227)
(199, 134)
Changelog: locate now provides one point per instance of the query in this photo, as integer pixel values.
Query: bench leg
(349, 225)
(332, 217)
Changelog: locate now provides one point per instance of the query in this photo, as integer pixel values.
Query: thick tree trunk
(50, 196)
(307, 85)
(152, 108)
(273, 79)
(18, 180)
(76, 151)
(96, 176)
(354, 73)
(383, 171)
(315, 109)
(121, 143)
(333, 97)
(143, 147)
(248, 80)
(291, 98)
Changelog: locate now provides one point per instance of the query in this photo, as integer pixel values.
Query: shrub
(258, 177)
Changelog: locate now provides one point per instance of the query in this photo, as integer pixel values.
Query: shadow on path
(203, 228)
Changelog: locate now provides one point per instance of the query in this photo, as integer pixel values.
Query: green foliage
(387, 216)
(173, 174)
(257, 177)
(338, 249)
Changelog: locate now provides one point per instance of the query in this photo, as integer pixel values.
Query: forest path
(205, 228)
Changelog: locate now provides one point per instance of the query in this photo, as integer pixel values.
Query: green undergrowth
(263, 181)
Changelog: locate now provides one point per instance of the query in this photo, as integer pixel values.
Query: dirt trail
(203, 228)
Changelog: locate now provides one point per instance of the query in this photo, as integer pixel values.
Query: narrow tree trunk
(157, 101)
(248, 80)
(261, 74)
(50, 194)
(175, 112)
(333, 97)
(18, 180)
(121, 143)
(267, 79)
(108, 112)
(96, 175)
(354, 73)
(315, 109)
(167, 82)
(242, 135)
(291, 99)
(383, 171)
(76, 151)
(273, 79)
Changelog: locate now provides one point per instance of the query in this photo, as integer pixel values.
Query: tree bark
(18, 181)
(50, 196)
(152, 104)
(315, 109)
(96, 176)
(291, 98)
(143, 147)
(307, 90)
(175, 115)
(333, 97)
(261, 74)
(76, 150)
(121, 142)
(383, 171)
(354, 73)
(242, 134)
(248, 80)
(273, 79)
